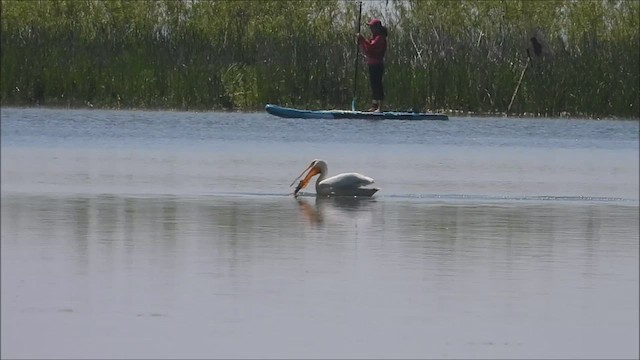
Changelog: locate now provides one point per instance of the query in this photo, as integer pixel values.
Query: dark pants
(375, 77)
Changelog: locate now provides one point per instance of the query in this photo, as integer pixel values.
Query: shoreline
(449, 112)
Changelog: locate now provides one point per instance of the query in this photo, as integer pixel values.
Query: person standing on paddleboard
(375, 48)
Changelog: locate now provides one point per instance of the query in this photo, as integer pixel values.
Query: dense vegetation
(191, 54)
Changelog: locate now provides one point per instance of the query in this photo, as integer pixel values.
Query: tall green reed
(443, 55)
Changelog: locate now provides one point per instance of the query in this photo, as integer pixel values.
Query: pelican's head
(316, 167)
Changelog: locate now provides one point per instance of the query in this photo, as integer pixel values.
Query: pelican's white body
(346, 184)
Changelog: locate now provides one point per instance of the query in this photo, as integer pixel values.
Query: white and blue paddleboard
(348, 114)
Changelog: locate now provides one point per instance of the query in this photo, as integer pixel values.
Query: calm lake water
(135, 234)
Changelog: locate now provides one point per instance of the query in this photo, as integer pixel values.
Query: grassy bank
(467, 56)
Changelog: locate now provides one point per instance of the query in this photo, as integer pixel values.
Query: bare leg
(379, 107)
(374, 106)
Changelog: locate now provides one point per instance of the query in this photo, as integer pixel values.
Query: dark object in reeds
(537, 47)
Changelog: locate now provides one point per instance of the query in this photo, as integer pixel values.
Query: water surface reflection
(208, 276)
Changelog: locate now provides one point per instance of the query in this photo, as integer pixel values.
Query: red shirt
(374, 48)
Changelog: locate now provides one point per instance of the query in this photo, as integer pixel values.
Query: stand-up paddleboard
(348, 114)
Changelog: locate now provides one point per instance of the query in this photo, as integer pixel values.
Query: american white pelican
(347, 184)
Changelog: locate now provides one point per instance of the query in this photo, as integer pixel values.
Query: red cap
(373, 22)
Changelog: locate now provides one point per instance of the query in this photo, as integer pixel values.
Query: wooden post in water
(537, 50)
(519, 82)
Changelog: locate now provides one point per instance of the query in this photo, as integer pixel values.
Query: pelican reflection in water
(346, 184)
(336, 208)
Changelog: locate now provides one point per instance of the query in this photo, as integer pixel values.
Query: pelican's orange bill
(298, 188)
(302, 173)
(304, 182)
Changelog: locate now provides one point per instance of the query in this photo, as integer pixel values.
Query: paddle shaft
(355, 75)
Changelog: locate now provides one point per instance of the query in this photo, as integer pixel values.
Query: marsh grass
(443, 55)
